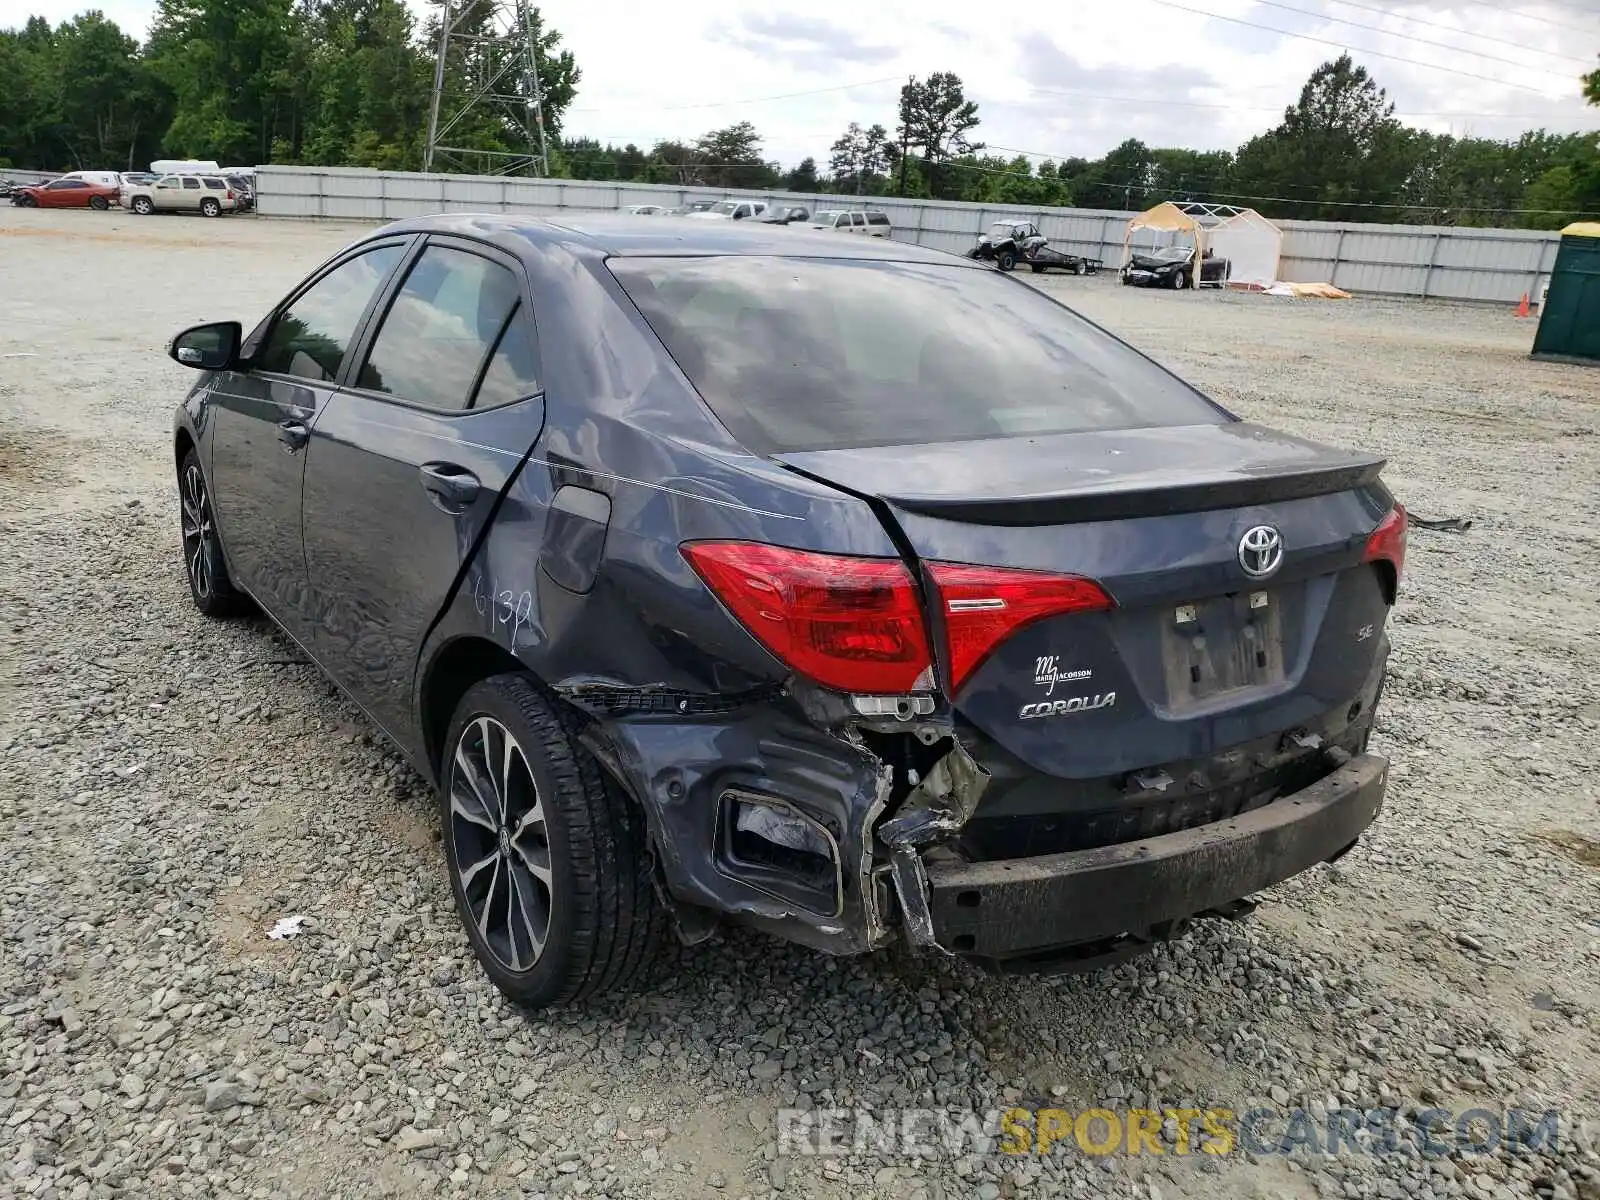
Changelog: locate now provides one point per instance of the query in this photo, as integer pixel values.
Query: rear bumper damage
(1012, 909)
(844, 834)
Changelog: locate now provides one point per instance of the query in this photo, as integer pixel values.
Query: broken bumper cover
(1014, 908)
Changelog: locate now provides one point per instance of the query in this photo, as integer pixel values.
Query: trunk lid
(1197, 655)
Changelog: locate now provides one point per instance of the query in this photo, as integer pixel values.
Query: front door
(407, 462)
(261, 420)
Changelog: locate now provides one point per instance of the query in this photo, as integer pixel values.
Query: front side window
(816, 354)
(440, 328)
(63, 185)
(310, 337)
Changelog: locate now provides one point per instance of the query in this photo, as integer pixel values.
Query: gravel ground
(172, 786)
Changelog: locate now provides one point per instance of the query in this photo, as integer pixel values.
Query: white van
(102, 178)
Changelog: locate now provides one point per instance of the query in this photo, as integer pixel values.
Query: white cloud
(1066, 79)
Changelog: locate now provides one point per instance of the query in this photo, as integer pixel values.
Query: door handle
(451, 487)
(293, 434)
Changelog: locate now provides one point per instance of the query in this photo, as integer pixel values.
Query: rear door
(409, 458)
(260, 421)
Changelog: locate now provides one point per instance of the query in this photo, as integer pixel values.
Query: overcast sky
(1069, 79)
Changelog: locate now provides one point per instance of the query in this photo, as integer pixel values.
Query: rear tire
(143, 205)
(210, 208)
(1077, 267)
(205, 564)
(548, 860)
(99, 203)
(1036, 268)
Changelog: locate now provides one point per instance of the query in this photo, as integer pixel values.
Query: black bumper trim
(1012, 907)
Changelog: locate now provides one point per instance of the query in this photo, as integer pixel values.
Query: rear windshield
(821, 354)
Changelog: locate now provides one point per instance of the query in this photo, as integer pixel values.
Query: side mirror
(213, 347)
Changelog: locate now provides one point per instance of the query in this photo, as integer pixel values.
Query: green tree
(803, 178)
(731, 158)
(860, 159)
(1338, 152)
(935, 117)
(1591, 87)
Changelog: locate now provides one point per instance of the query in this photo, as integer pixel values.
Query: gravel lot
(172, 786)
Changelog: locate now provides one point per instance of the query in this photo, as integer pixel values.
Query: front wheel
(99, 203)
(143, 205)
(210, 207)
(1006, 260)
(1180, 281)
(548, 861)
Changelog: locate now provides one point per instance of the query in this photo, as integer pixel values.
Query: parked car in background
(870, 222)
(647, 210)
(860, 594)
(732, 210)
(135, 178)
(693, 206)
(786, 215)
(65, 193)
(244, 190)
(208, 195)
(1012, 244)
(1173, 267)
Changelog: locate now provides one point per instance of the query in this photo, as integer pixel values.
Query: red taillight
(854, 624)
(982, 606)
(1388, 540)
(229, 193)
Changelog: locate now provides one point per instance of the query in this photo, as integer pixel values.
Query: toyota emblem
(1260, 551)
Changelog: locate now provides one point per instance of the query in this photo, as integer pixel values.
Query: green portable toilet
(1569, 319)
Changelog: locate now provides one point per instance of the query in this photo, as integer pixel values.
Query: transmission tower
(487, 65)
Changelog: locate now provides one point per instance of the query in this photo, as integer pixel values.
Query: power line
(1409, 37)
(843, 87)
(1551, 116)
(1481, 37)
(1527, 16)
(1306, 37)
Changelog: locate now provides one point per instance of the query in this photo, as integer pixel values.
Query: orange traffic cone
(1522, 306)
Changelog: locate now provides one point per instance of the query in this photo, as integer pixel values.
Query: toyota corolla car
(840, 587)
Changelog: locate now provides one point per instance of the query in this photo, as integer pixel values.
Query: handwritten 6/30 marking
(503, 607)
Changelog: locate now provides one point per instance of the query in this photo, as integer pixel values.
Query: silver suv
(870, 222)
(208, 195)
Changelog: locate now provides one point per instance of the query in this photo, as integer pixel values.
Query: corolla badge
(1062, 708)
(1260, 551)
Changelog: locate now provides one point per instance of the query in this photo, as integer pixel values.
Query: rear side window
(440, 328)
(310, 337)
(877, 219)
(513, 372)
(216, 185)
(817, 354)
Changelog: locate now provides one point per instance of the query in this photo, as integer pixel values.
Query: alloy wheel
(198, 534)
(501, 844)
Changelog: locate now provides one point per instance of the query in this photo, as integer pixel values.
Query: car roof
(625, 236)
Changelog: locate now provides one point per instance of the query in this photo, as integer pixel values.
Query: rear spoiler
(1147, 500)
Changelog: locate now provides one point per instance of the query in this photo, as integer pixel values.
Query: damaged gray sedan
(842, 588)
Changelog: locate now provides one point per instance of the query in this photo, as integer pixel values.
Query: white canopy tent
(1249, 241)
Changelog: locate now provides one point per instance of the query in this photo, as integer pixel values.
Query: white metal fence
(1424, 261)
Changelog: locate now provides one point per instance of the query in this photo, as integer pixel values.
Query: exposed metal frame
(508, 83)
